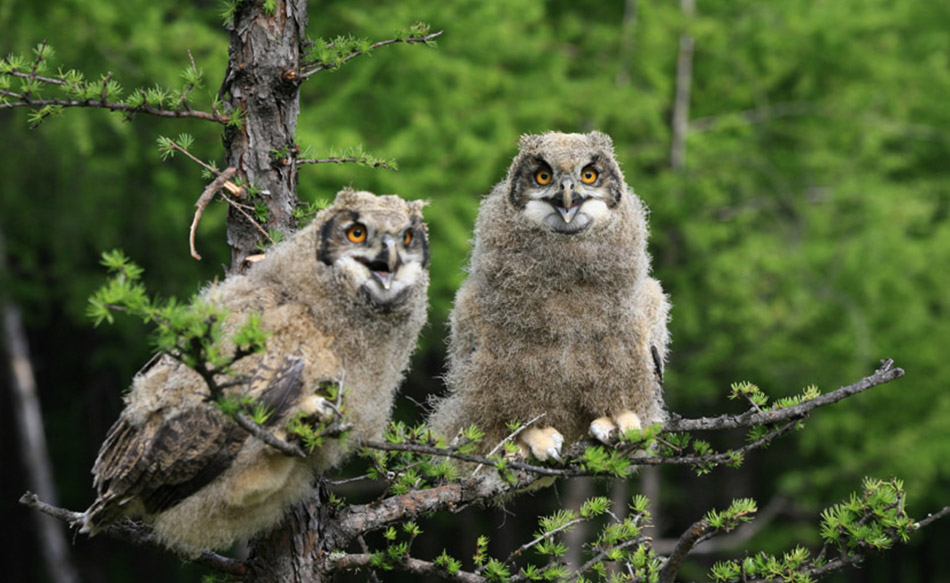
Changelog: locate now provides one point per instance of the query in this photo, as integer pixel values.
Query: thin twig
(517, 552)
(134, 532)
(175, 145)
(885, 374)
(26, 101)
(411, 40)
(603, 554)
(233, 190)
(352, 562)
(945, 511)
(344, 160)
(203, 200)
(286, 448)
(183, 100)
(717, 458)
(742, 533)
(508, 438)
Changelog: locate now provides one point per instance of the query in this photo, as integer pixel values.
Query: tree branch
(356, 520)
(885, 374)
(751, 418)
(945, 511)
(740, 535)
(203, 200)
(317, 67)
(344, 160)
(410, 565)
(689, 539)
(545, 536)
(26, 101)
(134, 532)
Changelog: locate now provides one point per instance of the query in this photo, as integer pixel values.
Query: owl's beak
(384, 265)
(570, 202)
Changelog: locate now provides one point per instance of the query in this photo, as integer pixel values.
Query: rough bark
(294, 552)
(263, 83)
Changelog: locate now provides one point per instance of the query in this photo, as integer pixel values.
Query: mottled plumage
(559, 315)
(343, 301)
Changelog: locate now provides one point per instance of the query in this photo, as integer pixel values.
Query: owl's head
(377, 245)
(565, 183)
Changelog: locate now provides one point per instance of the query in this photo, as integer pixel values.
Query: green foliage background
(807, 236)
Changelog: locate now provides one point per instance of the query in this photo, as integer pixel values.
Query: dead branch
(203, 200)
(134, 532)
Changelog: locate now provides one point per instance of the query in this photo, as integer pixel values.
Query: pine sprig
(353, 155)
(330, 55)
(873, 519)
(194, 335)
(49, 95)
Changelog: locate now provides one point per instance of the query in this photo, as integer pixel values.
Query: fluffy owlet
(343, 301)
(559, 315)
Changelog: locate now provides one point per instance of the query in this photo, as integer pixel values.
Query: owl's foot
(543, 444)
(605, 429)
(318, 407)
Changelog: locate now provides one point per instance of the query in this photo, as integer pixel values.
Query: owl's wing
(654, 311)
(163, 461)
(279, 386)
(657, 362)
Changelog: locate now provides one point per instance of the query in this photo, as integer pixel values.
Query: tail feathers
(103, 512)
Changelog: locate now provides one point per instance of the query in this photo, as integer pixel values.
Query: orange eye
(356, 233)
(589, 175)
(543, 176)
(407, 238)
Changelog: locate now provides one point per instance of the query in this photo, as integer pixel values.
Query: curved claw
(544, 444)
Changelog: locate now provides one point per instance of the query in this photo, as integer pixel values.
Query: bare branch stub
(203, 200)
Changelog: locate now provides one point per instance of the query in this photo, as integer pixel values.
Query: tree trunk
(50, 532)
(293, 552)
(263, 83)
(684, 79)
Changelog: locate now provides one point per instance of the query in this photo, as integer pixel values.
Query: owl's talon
(628, 421)
(603, 430)
(543, 444)
(319, 407)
